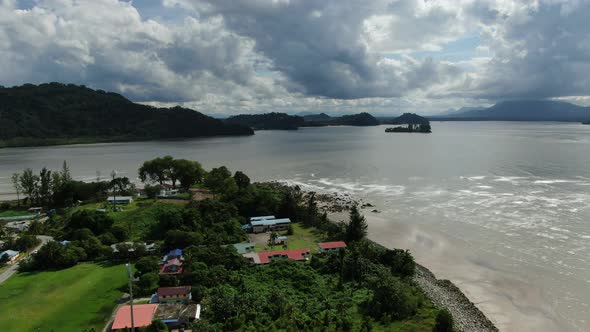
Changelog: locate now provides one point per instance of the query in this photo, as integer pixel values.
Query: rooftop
(243, 248)
(9, 253)
(262, 218)
(120, 198)
(168, 291)
(294, 254)
(270, 222)
(332, 245)
(143, 315)
(173, 266)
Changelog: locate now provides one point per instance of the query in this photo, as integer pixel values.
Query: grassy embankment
(74, 299)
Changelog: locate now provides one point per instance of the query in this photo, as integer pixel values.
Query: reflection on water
(500, 208)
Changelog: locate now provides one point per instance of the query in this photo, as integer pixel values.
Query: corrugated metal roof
(270, 222)
(332, 245)
(262, 218)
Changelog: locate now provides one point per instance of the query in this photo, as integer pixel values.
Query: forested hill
(267, 121)
(360, 119)
(407, 118)
(57, 113)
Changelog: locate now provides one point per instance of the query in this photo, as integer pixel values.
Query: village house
(243, 248)
(173, 266)
(172, 254)
(267, 224)
(18, 226)
(181, 294)
(266, 257)
(143, 314)
(120, 200)
(329, 247)
(11, 255)
(168, 193)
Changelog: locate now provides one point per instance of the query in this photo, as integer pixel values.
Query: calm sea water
(500, 208)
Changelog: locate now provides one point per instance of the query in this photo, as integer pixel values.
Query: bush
(444, 321)
(152, 191)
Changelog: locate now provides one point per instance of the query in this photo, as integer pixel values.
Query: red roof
(295, 254)
(142, 316)
(169, 291)
(171, 263)
(332, 245)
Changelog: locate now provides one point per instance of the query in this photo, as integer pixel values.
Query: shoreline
(442, 292)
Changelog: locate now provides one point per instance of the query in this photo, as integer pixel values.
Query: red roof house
(331, 246)
(266, 257)
(173, 266)
(180, 294)
(143, 315)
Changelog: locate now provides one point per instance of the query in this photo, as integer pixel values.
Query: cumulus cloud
(107, 44)
(236, 56)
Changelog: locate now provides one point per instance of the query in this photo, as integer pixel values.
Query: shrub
(444, 321)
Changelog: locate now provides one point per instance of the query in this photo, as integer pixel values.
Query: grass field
(74, 299)
(303, 237)
(15, 213)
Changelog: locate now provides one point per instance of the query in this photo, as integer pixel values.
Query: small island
(414, 122)
(586, 123)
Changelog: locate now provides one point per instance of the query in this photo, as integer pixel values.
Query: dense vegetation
(360, 119)
(416, 124)
(54, 112)
(267, 121)
(289, 122)
(407, 118)
(362, 288)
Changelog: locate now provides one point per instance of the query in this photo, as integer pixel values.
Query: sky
(225, 57)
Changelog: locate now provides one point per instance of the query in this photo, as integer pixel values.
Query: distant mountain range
(522, 110)
(56, 113)
(283, 121)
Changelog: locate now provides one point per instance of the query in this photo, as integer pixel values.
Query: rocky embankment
(443, 293)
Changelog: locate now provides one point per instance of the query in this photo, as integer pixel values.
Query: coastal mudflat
(506, 299)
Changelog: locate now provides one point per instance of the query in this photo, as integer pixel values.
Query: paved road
(14, 267)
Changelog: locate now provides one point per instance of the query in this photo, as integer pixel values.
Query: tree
(28, 183)
(148, 282)
(122, 185)
(242, 180)
(311, 211)
(187, 172)
(391, 298)
(155, 170)
(65, 173)
(444, 321)
(17, 186)
(288, 207)
(157, 326)
(146, 265)
(215, 179)
(357, 226)
(45, 188)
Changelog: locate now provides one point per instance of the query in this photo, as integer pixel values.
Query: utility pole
(131, 295)
(114, 176)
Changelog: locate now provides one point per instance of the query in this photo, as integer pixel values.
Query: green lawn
(137, 217)
(15, 213)
(73, 299)
(303, 237)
